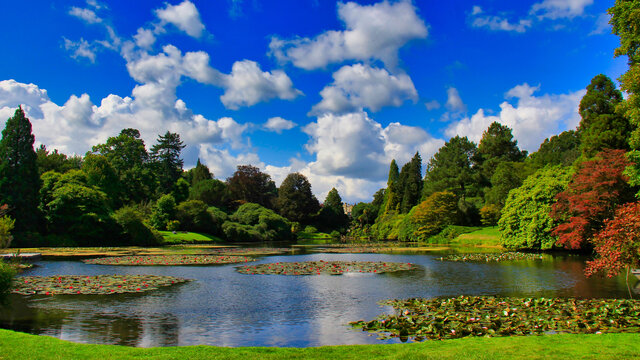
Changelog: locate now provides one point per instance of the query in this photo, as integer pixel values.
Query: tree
(602, 127)
(6, 225)
(193, 216)
(249, 184)
(199, 173)
(129, 158)
(102, 175)
(295, 200)
(506, 177)
(430, 217)
(332, 216)
(625, 22)
(55, 161)
(134, 230)
(410, 183)
(19, 177)
(617, 245)
(393, 196)
(451, 169)
(594, 192)
(525, 222)
(496, 146)
(212, 192)
(166, 161)
(561, 149)
(163, 212)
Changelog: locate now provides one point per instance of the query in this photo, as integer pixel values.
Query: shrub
(163, 212)
(430, 217)
(490, 214)
(240, 232)
(6, 225)
(193, 216)
(135, 232)
(6, 277)
(310, 229)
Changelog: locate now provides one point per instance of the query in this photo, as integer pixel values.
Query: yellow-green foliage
(6, 225)
(490, 214)
(387, 227)
(430, 216)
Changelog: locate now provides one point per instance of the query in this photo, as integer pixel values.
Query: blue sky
(333, 90)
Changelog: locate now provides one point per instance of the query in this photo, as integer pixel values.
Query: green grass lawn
(489, 236)
(14, 345)
(188, 238)
(313, 236)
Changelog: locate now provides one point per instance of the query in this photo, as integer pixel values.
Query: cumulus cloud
(432, 105)
(555, 9)
(144, 38)
(88, 15)
(361, 86)
(184, 16)
(454, 102)
(532, 118)
(372, 32)
(493, 22)
(80, 49)
(278, 124)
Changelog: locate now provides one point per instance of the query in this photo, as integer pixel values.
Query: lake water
(225, 308)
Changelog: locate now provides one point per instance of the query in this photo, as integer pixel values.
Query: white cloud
(87, 15)
(454, 102)
(372, 32)
(80, 49)
(144, 38)
(532, 119)
(184, 16)
(248, 85)
(602, 25)
(432, 105)
(360, 86)
(223, 164)
(493, 22)
(278, 124)
(555, 9)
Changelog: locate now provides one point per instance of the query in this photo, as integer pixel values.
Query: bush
(430, 217)
(173, 225)
(163, 212)
(6, 225)
(6, 277)
(310, 229)
(387, 226)
(490, 214)
(134, 231)
(240, 233)
(257, 220)
(193, 215)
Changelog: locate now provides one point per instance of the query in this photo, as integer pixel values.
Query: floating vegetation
(91, 285)
(351, 250)
(169, 260)
(251, 251)
(324, 267)
(465, 316)
(491, 257)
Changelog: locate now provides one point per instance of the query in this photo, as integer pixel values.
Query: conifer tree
(19, 178)
(411, 183)
(496, 146)
(393, 195)
(167, 163)
(200, 173)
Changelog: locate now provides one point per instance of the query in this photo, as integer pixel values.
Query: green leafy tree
(451, 169)
(252, 222)
(166, 161)
(163, 212)
(6, 225)
(249, 184)
(193, 216)
(332, 216)
(561, 149)
(295, 200)
(602, 127)
(134, 230)
(430, 216)
(410, 182)
(496, 146)
(129, 158)
(102, 175)
(7, 273)
(525, 222)
(212, 192)
(180, 190)
(393, 194)
(19, 177)
(199, 173)
(506, 177)
(55, 161)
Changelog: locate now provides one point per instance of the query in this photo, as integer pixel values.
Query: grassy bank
(182, 237)
(14, 345)
(489, 236)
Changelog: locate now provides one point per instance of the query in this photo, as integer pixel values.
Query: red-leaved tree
(617, 245)
(592, 196)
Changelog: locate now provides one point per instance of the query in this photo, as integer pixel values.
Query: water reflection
(223, 307)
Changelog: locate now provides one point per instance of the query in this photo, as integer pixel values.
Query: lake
(225, 308)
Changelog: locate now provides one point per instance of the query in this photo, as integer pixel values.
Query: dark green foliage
(393, 195)
(193, 215)
(217, 215)
(295, 200)
(163, 212)
(19, 177)
(601, 126)
(166, 162)
(134, 231)
(451, 169)
(212, 191)
(55, 161)
(249, 185)
(525, 222)
(236, 232)
(507, 176)
(80, 210)
(180, 190)
(439, 210)
(561, 149)
(331, 216)
(101, 175)
(410, 182)
(496, 146)
(252, 222)
(199, 173)
(6, 277)
(129, 158)
(364, 213)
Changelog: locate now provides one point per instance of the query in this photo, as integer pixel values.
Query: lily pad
(493, 316)
(351, 250)
(91, 285)
(251, 251)
(167, 260)
(493, 257)
(324, 267)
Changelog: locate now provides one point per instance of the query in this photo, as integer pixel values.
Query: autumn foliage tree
(591, 197)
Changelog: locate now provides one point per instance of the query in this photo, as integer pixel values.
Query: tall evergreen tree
(19, 178)
(199, 173)
(411, 183)
(332, 216)
(601, 126)
(393, 194)
(167, 164)
(561, 149)
(451, 168)
(334, 200)
(496, 146)
(295, 200)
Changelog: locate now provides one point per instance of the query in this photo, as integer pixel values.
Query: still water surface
(225, 308)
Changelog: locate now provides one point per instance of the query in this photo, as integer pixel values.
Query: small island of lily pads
(465, 316)
(168, 260)
(493, 257)
(325, 267)
(91, 285)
